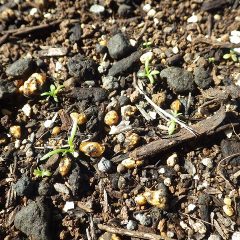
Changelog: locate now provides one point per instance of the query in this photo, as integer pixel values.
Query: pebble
(207, 162)
(104, 165)
(6, 88)
(124, 10)
(175, 50)
(27, 110)
(76, 33)
(167, 182)
(22, 68)
(82, 68)
(147, 7)
(125, 64)
(202, 78)
(151, 13)
(193, 19)
(236, 236)
(110, 83)
(15, 131)
(228, 210)
(191, 207)
(172, 160)
(146, 56)
(178, 79)
(97, 9)
(61, 188)
(214, 237)
(235, 37)
(24, 187)
(119, 46)
(45, 188)
(69, 205)
(143, 219)
(35, 220)
(131, 225)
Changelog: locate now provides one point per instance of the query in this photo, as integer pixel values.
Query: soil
(141, 105)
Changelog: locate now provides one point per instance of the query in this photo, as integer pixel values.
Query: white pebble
(146, 56)
(183, 225)
(236, 236)
(214, 237)
(175, 50)
(68, 206)
(133, 42)
(58, 66)
(235, 37)
(151, 13)
(193, 19)
(146, 7)
(27, 110)
(167, 182)
(228, 133)
(200, 227)
(17, 144)
(189, 37)
(96, 8)
(172, 160)
(33, 11)
(191, 207)
(207, 162)
(161, 170)
(170, 234)
(50, 123)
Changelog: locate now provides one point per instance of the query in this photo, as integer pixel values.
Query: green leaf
(155, 72)
(52, 88)
(147, 66)
(41, 173)
(56, 151)
(171, 127)
(73, 133)
(151, 79)
(234, 57)
(227, 56)
(55, 98)
(45, 94)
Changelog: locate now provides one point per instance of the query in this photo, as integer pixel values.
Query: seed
(176, 105)
(156, 198)
(82, 118)
(92, 149)
(65, 166)
(56, 130)
(132, 140)
(140, 200)
(33, 84)
(111, 118)
(15, 131)
(228, 210)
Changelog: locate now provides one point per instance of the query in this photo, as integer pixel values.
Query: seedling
(211, 59)
(147, 44)
(172, 124)
(53, 92)
(232, 54)
(41, 173)
(148, 72)
(69, 147)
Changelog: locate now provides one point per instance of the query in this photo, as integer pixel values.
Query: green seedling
(53, 92)
(148, 72)
(231, 55)
(172, 124)
(147, 44)
(41, 173)
(69, 147)
(211, 59)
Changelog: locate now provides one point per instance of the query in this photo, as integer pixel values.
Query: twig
(136, 234)
(164, 114)
(4, 38)
(219, 170)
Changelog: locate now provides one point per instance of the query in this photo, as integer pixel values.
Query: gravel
(178, 79)
(202, 78)
(119, 46)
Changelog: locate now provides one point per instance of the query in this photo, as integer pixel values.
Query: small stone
(191, 207)
(27, 110)
(214, 237)
(202, 78)
(236, 236)
(7, 88)
(144, 219)
(15, 131)
(227, 201)
(235, 37)
(121, 168)
(34, 220)
(131, 225)
(140, 200)
(56, 130)
(68, 206)
(45, 188)
(178, 79)
(175, 50)
(193, 19)
(172, 160)
(24, 187)
(22, 68)
(146, 56)
(170, 234)
(76, 33)
(61, 188)
(200, 227)
(147, 7)
(119, 46)
(104, 165)
(151, 13)
(167, 182)
(228, 210)
(97, 9)
(124, 10)
(207, 162)
(110, 83)
(82, 68)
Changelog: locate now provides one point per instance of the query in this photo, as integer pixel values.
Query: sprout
(232, 54)
(53, 92)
